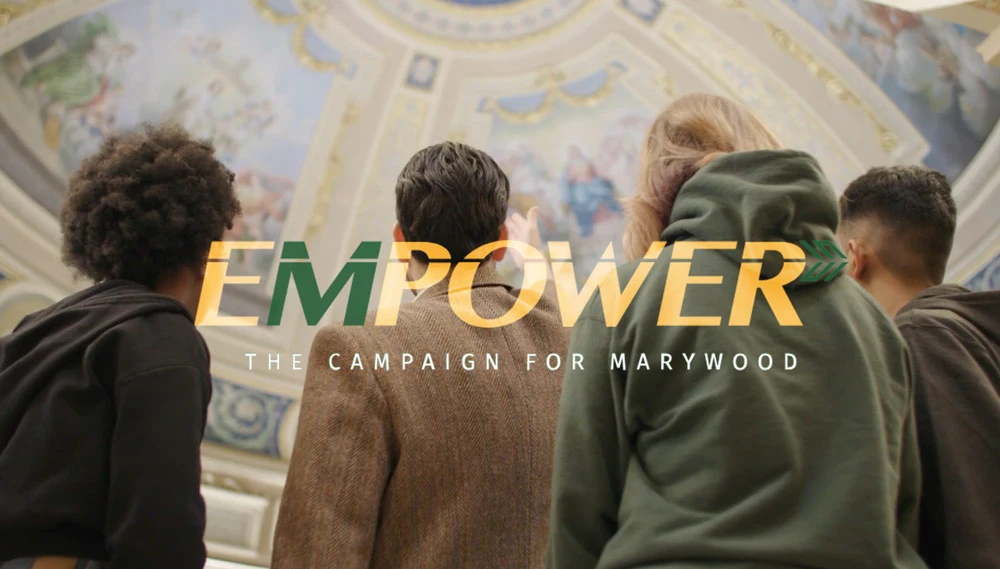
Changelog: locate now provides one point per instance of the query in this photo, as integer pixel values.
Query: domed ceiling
(317, 105)
(477, 22)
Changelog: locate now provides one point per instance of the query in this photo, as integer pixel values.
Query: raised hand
(525, 229)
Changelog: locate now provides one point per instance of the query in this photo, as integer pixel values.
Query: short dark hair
(148, 203)
(453, 195)
(913, 204)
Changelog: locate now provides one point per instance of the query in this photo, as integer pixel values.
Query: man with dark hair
(443, 462)
(103, 396)
(897, 225)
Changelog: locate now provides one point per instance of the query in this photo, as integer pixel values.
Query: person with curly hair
(104, 396)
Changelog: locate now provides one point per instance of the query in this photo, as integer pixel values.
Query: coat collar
(486, 276)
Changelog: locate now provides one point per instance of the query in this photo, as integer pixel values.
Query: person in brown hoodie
(420, 466)
(897, 226)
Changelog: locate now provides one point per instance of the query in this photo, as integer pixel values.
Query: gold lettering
(396, 280)
(773, 288)
(679, 277)
(462, 278)
(216, 278)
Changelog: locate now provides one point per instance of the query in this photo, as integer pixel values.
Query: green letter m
(295, 265)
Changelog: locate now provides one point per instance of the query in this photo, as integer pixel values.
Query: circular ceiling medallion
(476, 21)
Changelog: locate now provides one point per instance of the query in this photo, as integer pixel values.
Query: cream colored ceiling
(318, 105)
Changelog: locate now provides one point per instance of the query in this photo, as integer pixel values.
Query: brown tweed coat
(422, 468)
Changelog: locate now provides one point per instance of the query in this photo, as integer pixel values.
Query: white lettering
(618, 361)
(737, 358)
(689, 359)
(713, 360)
(548, 362)
(791, 366)
(760, 362)
(643, 362)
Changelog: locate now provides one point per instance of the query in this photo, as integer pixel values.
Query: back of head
(453, 195)
(147, 204)
(690, 133)
(906, 215)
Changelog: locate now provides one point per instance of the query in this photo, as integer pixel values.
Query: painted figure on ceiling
(248, 122)
(82, 76)
(531, 185)
(192, 107)
(927, 58)
(265, 201)
(77, 90)
(586, 192)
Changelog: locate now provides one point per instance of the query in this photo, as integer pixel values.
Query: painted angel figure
(586, 192)
(83, 73)
(193, 108)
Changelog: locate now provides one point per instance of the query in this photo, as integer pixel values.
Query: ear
(858, 261)
(397, 236)
(499, 254)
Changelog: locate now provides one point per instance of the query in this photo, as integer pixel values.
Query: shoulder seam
(131, 376)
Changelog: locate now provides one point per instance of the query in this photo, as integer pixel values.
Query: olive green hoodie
(704, 465)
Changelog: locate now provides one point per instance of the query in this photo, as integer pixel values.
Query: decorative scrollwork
(990, 5)
(324, 196)
(312, 13)
(10, 11)
(835, 86)
(7, 276)
(553, 81)
(222, 481)
(669, 85)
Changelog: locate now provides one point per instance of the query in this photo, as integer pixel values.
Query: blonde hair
(690, 133)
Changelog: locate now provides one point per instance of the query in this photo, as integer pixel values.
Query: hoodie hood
(981, 309)
(116, 300)
(767, 195)
(57, 337)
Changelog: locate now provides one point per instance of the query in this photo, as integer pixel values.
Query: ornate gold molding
(989, 5)
(324, 197)
(479, 44)
(313, 12)
(10, 11)
(835, 86)
(222, 481)
(10, 276)
(668, 84)
(552, 81)
(496, 10)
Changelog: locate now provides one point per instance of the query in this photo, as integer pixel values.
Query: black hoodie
(103, 402)
(953, 336)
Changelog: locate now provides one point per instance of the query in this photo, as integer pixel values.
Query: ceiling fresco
(928, 67)
(569, 141)
(317, 104)
(476, 23)
(279, 84)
